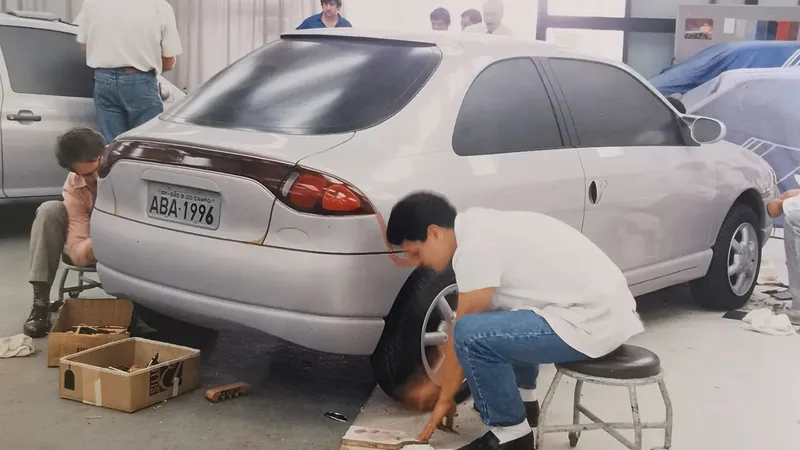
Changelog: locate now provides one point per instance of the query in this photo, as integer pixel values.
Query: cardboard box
(87, 377)
(94, 312)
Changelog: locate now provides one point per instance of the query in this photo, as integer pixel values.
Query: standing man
(531, 290)
(440, 19)
(493, 12)
(328, 18)
(791, 242)
(128, 43)
(470, 17)
(64, 226)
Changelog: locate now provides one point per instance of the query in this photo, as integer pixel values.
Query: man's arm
(79, 243)
(170, 40)
(775, 207)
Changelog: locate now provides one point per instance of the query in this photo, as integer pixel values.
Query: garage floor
(731, 388)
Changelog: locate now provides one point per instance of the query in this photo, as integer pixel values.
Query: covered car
(759, 109)
(714, 61)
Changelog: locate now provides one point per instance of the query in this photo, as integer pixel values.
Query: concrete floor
(731, 388)
(292, 387)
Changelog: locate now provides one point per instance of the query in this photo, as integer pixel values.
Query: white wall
(414, 15)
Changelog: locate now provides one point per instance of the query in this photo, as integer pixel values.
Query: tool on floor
(226, 392)
(336, 416)
(373, 438)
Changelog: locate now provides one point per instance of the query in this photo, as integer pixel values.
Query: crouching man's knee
(466, 330)
(52, 211)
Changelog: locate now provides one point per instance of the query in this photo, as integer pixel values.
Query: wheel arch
(750, 198)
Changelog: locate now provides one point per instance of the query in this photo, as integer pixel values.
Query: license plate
(184, 205)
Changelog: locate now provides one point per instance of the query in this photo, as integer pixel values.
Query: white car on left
(45, 89)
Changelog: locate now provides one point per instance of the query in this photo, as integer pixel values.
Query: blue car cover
(713, 61)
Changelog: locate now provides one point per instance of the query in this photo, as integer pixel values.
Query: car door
(649, 186)
(47, 90)
(509, 132)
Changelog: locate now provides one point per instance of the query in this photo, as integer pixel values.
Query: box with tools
(129, 375)
(87, 323)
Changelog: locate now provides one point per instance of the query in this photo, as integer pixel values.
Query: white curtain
(214, 33)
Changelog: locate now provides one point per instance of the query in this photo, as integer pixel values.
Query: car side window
(45, 62)
(507, 109)
(611, 108)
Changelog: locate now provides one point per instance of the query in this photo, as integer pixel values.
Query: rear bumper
(330, 303)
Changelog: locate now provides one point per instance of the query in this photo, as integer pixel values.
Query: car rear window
(313, 85)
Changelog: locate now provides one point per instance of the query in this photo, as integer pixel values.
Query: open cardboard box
(87, 377)
(93, 312)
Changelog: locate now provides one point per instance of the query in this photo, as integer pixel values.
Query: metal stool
(84, 283)
(628, 366)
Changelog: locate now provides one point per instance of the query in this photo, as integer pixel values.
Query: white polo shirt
(128, 33)
(538, 263)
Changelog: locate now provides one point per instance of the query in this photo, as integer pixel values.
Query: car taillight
(301, 189)
(311, 192)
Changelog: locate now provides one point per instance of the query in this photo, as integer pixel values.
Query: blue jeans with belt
(501, 352)
(125, 100)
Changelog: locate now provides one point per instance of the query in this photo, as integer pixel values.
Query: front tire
(735, 265)
(411, 344)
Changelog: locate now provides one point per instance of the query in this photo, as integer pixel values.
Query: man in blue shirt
(329, 18)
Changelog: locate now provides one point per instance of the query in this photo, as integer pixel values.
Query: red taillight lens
(316, 193)
(111, 155)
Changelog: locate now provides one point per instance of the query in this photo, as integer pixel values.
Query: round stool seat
(625, 363)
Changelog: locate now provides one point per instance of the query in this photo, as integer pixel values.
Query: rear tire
(717, 290)
(398, 356)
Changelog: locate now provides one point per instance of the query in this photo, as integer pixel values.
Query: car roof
(479, 43)
(35, 19)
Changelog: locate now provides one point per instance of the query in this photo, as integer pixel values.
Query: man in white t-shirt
(787, 204)
(128, 43)
(532, 290)
(493, 13)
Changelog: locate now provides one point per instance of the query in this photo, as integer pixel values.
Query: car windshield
(313, 85)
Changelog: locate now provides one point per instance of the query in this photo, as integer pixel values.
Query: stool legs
(540, 428)
(668, 421)
(637, 418)
(62, 285)
(576, 414)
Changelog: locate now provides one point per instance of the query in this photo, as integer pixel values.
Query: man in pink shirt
(63, 227)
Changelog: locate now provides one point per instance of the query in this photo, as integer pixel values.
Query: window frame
(558, 113)
(6, 66)
(681, 127)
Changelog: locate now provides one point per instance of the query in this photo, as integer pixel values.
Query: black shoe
(490, 442)
(38, 323)
(531, 409)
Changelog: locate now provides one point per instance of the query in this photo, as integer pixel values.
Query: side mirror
(706, 130)
(165, 93)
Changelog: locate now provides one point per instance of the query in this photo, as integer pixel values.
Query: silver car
(45, 89)
(260, 201)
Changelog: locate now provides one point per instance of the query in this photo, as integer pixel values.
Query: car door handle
(596, 192)
(24, 116)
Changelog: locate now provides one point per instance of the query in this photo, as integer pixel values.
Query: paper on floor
(766, 321)
(19, 345)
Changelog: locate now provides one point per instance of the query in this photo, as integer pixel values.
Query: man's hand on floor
(444, 411)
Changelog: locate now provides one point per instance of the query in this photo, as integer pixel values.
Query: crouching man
(532, 290)
(64, 226)
(791, 242)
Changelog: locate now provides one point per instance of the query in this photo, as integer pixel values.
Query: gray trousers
(791, 242)
(48, 236)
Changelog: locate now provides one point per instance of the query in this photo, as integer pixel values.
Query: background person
(791, 242)
(440, 19)
(128, 43)
(64, 226)
(470, 17)
(328, 18)
(493, 12)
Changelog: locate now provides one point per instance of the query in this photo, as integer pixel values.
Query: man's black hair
(338, 3)
(79, 145)
(411, 217)
(441, 14)
(474, 16)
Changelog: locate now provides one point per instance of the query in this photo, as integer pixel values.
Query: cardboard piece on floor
(373, 438)
(87, 377)
(93, 312)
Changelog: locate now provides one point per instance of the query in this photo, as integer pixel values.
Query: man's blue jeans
(791, 242)
(501, 352)
(125, 100)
